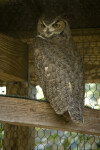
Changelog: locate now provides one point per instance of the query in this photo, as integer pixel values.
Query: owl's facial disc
(48, 30)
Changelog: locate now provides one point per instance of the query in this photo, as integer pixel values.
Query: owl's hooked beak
(48, 33)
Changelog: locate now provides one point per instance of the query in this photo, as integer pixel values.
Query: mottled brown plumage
(59, 67)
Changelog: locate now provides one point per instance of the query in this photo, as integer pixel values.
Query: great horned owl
(59, 67)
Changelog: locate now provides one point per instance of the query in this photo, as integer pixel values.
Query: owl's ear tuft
(41, 17)
(64, 16)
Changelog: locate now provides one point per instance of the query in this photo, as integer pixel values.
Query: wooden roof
(22, 15)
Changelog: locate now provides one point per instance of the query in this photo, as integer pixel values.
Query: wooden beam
(13, 59)
(25, 112)
(86, 32)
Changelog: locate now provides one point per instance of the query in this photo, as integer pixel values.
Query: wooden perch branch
(25, 112)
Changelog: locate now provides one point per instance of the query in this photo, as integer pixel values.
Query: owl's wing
(56, 73)
(77, 102)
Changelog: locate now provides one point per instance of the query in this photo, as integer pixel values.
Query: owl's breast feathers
(60, 72)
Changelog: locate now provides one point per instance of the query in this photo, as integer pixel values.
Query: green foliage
(66, 143)
(92, 94)
(59, 140)
(43, 99)
(1, 135)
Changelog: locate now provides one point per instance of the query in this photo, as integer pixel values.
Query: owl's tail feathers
(75, 117)
(66, 116)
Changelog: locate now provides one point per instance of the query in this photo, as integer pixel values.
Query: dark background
(22, 15)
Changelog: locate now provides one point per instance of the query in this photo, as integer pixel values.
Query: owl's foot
(66, 116)
(78, 121)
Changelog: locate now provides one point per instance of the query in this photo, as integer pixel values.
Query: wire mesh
(88, 44)
(59, 140)
(44, 139)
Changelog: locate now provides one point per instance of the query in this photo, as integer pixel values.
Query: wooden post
(18, 137)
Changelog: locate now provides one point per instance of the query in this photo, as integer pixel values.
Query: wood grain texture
(13, 59)
(40, 114)
(18, 137)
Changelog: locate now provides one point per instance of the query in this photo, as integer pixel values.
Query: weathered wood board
(13, 59)
(25, 112)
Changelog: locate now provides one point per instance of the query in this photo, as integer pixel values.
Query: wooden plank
(25, 112)
(13, 59)
(85, 32)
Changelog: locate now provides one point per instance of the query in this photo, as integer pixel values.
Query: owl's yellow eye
(56, 25)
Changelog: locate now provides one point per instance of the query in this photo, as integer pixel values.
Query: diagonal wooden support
(25, 112)
(13, 59)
